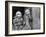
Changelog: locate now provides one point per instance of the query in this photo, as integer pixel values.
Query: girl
(18, 21)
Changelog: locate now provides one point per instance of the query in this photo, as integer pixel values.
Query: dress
(27, 23)
(17, 23)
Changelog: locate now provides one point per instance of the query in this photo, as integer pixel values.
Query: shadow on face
(27, 11)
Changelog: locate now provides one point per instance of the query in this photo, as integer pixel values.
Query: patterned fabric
(22, 23)
(27, 23)
(17, 22)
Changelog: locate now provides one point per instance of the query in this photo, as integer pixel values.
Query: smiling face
(18, 14)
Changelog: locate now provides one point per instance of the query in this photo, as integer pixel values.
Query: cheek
(27, 13)
(19, 15)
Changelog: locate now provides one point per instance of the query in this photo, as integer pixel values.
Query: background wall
(2, 19)
(36, 19)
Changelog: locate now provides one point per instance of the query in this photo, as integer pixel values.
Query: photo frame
(13, 9)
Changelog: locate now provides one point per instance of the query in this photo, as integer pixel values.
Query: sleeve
(15, 22)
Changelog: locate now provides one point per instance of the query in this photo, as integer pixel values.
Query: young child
(18, 21)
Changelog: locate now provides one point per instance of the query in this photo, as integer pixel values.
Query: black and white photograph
(24, 18)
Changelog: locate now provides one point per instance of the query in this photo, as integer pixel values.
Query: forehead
(18, 12)
(27, 10)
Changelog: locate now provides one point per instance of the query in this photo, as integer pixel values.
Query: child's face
(18, 14)
(27, 11)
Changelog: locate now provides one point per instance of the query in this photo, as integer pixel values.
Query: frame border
(6, 18)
